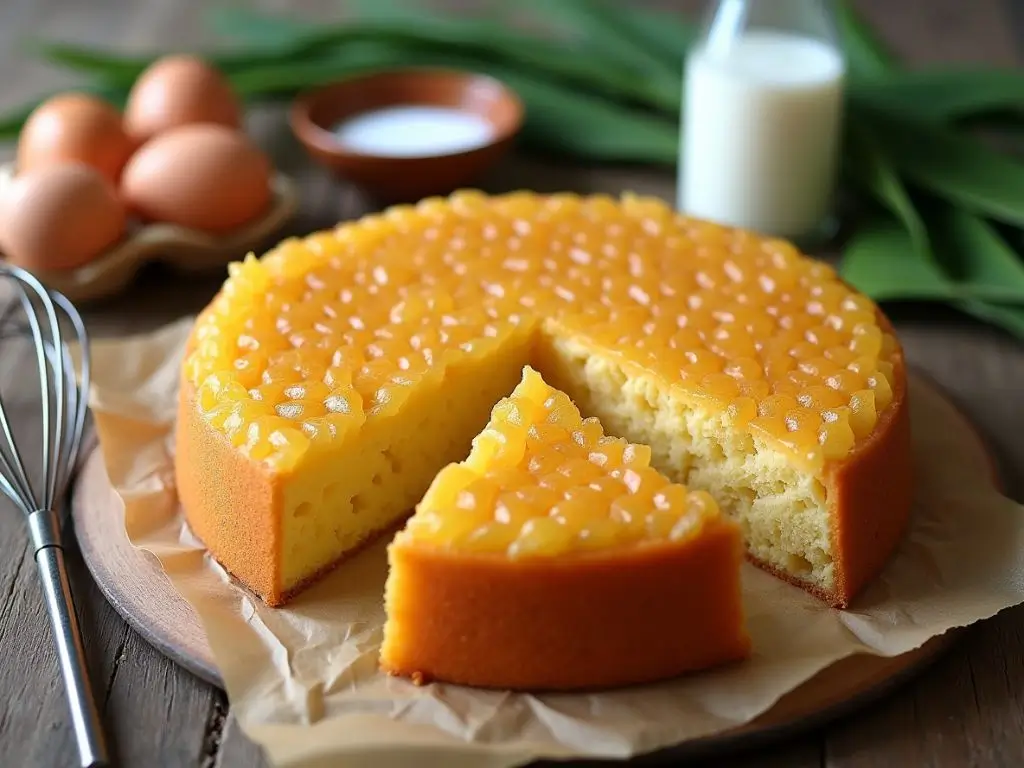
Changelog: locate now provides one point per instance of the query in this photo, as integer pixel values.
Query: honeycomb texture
(327, 333)
(542, 481)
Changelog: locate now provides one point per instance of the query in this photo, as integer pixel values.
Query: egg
(176, 91)
(74, 127)
(206, 177)
(59, 217)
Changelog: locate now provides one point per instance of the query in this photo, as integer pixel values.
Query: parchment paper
(303, 679)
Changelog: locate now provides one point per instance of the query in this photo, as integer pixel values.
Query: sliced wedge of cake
(555, 557)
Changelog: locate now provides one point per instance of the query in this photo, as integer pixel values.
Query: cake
(328, 383)
(555, 557)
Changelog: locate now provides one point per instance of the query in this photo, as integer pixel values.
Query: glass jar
(762, 114)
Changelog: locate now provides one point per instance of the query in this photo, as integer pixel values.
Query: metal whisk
(44, 318)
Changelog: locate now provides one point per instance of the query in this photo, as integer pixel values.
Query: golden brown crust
(634, 616)
(276, 601)
(222, 489)
(231, 503)
(219, 488)
(870, 496)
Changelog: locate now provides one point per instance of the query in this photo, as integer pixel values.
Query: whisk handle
(85, 718)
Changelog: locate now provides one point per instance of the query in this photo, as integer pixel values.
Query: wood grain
(131, 579)
(967, 710)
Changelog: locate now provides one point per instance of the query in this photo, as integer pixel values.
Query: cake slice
(556, 558)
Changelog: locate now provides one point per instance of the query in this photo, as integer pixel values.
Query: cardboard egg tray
(180, 248)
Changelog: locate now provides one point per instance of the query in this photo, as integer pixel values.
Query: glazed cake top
(304, 346)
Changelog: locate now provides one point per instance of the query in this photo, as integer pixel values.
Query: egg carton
(183, 249)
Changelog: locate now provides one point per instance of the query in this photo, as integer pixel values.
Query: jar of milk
(761, 118)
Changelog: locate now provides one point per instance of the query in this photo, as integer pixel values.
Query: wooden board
(134, 584)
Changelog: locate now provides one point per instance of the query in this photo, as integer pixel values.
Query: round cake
(330, 381)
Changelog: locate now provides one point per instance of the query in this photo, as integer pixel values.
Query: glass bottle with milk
(761, 119)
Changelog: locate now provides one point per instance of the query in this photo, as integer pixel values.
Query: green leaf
(870, 259)
(975, 255)
(282, 78)
(956, 168)
(936, 94)
(483, 40)
(887, 263)
(880, 260)
(112, 68)
(115, 70)
(255, 28)
(559, 119)
(11, 122)
(495, 41)
(1009, 318)
(872, 171)
(668, 34)
(599, 26)
(566, 121)
(867, 56)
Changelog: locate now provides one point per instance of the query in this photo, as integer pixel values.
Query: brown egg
(179, 90)
(206, 177)
(59, 217)
(75, 127)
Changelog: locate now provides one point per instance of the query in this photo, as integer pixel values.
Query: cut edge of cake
(797, 523)
(856, 508)
(367, 480)
(876, 480)
(629, 613)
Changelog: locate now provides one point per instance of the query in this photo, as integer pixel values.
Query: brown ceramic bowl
(403, 179)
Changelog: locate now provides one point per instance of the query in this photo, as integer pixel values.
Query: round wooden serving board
(135, 585)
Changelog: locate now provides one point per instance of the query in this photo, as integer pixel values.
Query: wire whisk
(51, 323)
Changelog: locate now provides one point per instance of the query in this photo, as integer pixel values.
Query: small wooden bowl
(404, 179)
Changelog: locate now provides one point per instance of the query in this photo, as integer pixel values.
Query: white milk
(413, 131)
(761, 132)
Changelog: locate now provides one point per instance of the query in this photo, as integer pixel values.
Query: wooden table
(966, 710)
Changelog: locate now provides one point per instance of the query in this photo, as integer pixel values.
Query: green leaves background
(943, 189)
(940, 212)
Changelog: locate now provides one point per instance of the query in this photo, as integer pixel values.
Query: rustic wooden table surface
(967, 709)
